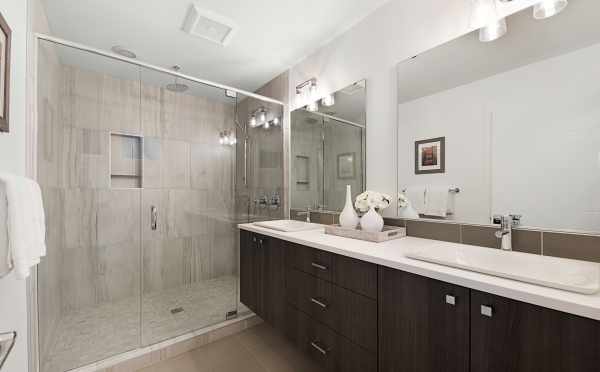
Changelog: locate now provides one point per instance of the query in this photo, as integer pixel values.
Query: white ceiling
(273, 35)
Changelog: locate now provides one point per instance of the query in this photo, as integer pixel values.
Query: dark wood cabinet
(346, 312)
(508, 335)
(250, 270)
(262, 277)
(330, 350)
(423, 324)
(351, 315)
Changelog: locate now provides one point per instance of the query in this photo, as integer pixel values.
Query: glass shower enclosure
(139, 170)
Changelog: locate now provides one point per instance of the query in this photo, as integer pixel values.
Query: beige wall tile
(431, 230)
(578, 247)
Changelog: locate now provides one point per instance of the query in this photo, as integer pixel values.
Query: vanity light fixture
(311, 95)
(262, 116)
(549, 8)
(483, 13)
(313, 106)
(276, 121)
(328, 100)
(227, 137)
(493, 31)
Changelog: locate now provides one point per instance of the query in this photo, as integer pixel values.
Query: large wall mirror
(327, 151)
(506, 127)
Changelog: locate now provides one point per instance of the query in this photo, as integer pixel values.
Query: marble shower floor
(109, 329)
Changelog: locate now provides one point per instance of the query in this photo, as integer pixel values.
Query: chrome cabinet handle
(487, 311)
(317, 302)
(153, 217)
(318, 266)
(319, 348)
(450, 300)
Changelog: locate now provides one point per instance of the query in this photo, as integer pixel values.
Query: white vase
(371, 221)
(408, 212)
(348, 218)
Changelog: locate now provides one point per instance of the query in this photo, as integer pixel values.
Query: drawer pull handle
(317, 302)
(450, 300)
(487, 311)
(318, 266)
(318, 348)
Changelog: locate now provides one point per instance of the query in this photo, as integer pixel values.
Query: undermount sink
(560, 273)
(288, 225)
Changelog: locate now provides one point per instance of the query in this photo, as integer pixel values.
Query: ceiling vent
(209, 26)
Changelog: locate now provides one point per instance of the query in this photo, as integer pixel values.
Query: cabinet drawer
(330, 350)
(313, 261)
(350, 314)
(355, 275)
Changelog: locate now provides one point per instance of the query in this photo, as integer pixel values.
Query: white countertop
(392, 254)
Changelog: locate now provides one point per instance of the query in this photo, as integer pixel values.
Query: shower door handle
(153, 217)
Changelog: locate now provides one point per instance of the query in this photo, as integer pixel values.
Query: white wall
(13, 300)
(371, 49)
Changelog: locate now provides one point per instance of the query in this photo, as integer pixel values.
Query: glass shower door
(189, 253)
(89, 282)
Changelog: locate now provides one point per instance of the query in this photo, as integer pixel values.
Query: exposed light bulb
(313, 106)
(262, 117)
(267, 125)
(312, 91)
(493, 31)
(549, 8)
(483, 13)
(253, 121)
(328, 100)
(275, 121)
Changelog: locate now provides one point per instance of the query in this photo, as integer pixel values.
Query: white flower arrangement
(372, 199)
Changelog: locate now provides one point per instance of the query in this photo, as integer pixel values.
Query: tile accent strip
(557, 244)
(566, 245)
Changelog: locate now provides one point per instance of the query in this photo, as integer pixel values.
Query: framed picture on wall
(346, 167)
(4, 73)
(430, 156)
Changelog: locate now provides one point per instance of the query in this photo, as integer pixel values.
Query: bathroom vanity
(359, 306)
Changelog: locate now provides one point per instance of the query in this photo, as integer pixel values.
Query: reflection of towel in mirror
(26, 223)
(416, 197)
(437, 201)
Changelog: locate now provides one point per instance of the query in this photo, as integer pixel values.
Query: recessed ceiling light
(123, 51)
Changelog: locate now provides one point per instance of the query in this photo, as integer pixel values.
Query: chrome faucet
(505, 233)
(307, 214)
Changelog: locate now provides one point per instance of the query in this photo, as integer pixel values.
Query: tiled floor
(258, 349)
(103, 331)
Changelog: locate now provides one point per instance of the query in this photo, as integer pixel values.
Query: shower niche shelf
(125, 161)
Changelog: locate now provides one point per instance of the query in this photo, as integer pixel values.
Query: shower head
(176, 86)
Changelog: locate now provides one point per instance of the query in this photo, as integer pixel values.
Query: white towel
(26, 223)
(437, 201)
(416, 197)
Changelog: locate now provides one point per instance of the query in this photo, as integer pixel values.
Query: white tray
(388, 233)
